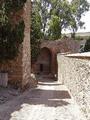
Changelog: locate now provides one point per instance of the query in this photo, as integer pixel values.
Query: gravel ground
(8, 93)
(49, 101)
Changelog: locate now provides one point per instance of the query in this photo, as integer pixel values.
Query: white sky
(85, 19)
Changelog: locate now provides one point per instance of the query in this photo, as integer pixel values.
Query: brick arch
(44, 61)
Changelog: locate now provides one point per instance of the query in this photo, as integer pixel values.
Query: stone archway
(44, 61)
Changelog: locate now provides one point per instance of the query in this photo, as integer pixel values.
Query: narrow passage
(49, 101)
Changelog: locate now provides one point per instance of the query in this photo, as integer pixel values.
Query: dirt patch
(8, 93)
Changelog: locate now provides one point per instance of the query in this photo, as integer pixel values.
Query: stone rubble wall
(14, 70)
(26, 53)
(57, 46)
(74, 72)
(19, 69)
(63, 45)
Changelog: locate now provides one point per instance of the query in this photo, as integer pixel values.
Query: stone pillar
(26, 55)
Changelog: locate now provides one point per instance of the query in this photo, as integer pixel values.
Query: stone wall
(14, 70)
(74, 72)
(26, 52)
(57, 46)
(62, 45)
(19, 69)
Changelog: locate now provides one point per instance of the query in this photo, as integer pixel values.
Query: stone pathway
(49, 101)
(7, 94)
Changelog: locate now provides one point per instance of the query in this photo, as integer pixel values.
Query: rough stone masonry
(74, 72)
(19, 69)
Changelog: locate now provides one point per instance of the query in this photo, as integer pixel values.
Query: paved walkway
(50, 101)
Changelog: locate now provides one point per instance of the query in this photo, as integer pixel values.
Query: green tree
(11, 34)
(78, 9)
(54, 28)
(66, 15)
(60, 17)
(36, 33)
(44, 6)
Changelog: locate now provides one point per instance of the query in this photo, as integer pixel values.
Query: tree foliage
(54, 28)
(36, 33)
(58, 15)
(11, 35)
(10, 39)
(68, 15)
(78, 8)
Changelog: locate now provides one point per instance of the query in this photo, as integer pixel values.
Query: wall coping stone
(76, 55)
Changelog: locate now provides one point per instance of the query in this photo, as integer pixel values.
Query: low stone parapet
(74, 72)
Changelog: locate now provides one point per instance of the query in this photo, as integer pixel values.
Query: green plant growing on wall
(13, 5)
(87, 45)
(10, 39)
(11, 36)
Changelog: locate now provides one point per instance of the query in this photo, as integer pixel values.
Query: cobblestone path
(49, 101)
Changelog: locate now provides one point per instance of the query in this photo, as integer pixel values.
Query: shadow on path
(48, 98)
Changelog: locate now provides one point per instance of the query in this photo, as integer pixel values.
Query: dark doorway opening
(44, 61)
(41, 67)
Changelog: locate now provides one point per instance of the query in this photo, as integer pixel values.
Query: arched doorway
(44, 61)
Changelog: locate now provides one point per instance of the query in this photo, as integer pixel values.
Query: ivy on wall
(87, 45)
(11, 36)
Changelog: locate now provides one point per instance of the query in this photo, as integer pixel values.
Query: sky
(85, 19)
